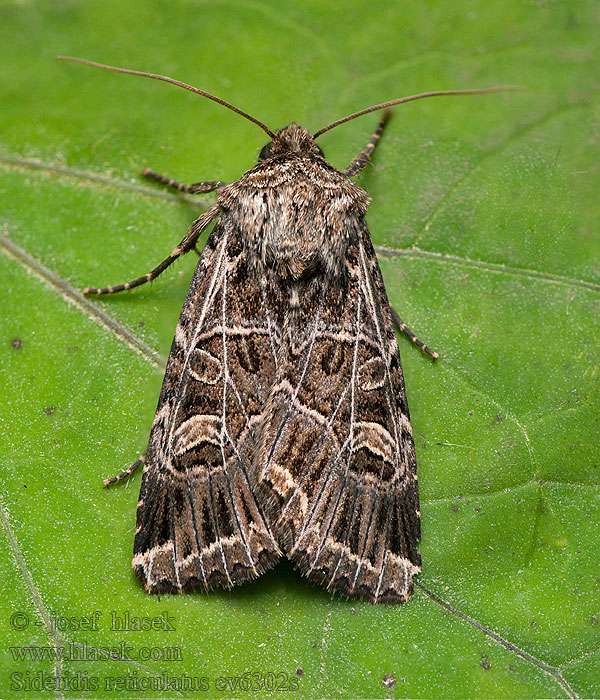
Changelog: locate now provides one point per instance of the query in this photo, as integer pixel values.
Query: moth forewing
(199, 524)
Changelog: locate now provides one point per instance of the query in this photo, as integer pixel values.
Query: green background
(485, 212)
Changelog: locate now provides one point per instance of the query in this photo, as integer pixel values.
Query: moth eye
(265, 152)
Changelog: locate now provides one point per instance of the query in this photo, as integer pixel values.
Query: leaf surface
(485, 215)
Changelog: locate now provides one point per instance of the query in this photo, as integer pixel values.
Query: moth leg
(128, 472)
(360, 161)
(405, 329)
(195, 188)
(184, 247)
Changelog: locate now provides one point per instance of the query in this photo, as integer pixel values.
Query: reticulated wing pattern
(336, 466)
(198, 523)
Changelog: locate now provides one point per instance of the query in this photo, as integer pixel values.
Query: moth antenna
(174, 82)
(420, 96)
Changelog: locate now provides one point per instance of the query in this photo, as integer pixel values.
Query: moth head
(292, 139)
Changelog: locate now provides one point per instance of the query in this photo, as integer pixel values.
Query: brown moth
(282, 428)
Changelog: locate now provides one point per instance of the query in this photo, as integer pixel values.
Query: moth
(282, 427)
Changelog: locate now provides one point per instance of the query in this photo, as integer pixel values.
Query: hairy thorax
(296, 215)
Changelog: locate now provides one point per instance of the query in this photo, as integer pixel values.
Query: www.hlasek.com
(83, 652)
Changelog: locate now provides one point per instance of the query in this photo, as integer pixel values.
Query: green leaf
(485, 213)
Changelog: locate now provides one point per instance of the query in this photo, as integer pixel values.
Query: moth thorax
(295, 297)
(298, 259)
